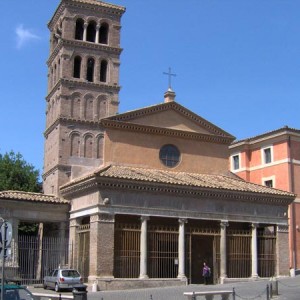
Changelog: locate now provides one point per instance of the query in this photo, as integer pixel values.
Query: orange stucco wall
(284, 175)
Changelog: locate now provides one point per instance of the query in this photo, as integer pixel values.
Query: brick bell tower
(83, 87)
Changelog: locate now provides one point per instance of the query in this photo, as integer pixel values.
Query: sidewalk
(289, 288)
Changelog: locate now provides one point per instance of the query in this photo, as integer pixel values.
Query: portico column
(181, 249)
(254, 250)
(62, 237)
(223, 251)
(73, 241)
(143, 246)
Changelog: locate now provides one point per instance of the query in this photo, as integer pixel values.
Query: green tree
(17, 174)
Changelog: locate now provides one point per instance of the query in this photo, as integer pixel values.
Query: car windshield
(70, 273)
(17, 294)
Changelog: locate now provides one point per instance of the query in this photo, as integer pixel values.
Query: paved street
(289, 289)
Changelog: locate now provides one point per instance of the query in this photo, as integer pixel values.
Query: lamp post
(3, 252)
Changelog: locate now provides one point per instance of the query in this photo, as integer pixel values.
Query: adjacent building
(273, 159)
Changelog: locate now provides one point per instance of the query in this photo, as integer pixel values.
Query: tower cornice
(61, 120)
(84, 84)
(90, 4)
(80, 44)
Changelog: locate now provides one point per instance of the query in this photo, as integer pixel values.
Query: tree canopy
(17, 174)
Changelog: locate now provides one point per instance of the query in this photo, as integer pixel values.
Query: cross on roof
(170, 74)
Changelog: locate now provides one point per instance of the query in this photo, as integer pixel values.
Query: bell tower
(83, 87)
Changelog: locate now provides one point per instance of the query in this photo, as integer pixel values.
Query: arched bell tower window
(77, 67)
(91, 32)
(103, 71)
(90, 69)
(79, 29)
(103, 33)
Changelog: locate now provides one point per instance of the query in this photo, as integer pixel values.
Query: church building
(150, 192)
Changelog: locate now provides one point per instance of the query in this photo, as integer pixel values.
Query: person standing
(206, 273)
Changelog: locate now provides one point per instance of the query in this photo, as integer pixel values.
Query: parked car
(14, 291)
(60, 279)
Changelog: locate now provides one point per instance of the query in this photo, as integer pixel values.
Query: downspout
(293, 213)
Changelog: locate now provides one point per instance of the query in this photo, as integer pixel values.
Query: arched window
(103, 71)
(88, 108)
(88, 146)
(103, 33)
(77, 67)
(90, 69)
(101, 107)
(75, 106)
(100, 147)
(75, 143)
(91, 32)
(79, 29)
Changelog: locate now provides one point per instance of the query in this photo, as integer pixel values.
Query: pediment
(172, 116)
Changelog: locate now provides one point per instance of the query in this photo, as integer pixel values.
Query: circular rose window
(169, 155)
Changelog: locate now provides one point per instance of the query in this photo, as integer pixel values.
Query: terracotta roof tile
(34, 197)
(212, 181)
(267, 134)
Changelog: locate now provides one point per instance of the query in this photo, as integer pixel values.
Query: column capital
(144, 218)
(224, 224)
(182, 220)
(254, 225)
(74, 223)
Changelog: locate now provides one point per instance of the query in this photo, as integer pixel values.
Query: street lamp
(3, 250)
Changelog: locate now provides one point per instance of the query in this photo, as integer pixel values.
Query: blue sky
(237, 64)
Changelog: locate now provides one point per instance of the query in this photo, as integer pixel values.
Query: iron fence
(32, 258)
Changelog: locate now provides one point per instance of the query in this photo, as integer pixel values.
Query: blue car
(14, 291)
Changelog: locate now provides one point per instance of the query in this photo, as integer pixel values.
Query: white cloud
(24, 36)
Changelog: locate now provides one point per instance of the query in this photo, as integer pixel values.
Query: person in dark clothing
(206, 273)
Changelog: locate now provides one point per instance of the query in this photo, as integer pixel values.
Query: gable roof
(179, 179)
(182, 122)
(31, 197)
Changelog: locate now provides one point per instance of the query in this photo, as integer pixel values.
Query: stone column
(97, 70)
(143, 246)
(85, 25)
(14, 241)
(223, 251)
(73, 237)
(254, 250)
(181, 249)
(97, 33)
(63, 238)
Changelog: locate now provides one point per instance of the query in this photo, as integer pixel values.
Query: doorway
(201, 250)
